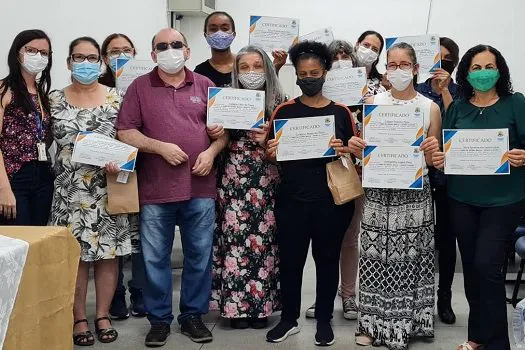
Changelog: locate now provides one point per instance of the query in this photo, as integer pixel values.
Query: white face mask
(252, 80)
(400, 79)
(365, 56)
(342, 64)
(171, 61)
(34, 64)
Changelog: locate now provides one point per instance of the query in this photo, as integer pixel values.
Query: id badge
(42, 153)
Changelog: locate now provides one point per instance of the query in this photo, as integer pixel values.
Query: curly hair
(311, 49)
(504, 84)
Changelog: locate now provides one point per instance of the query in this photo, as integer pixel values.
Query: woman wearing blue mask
(80, 196)
(485, 210)
(115, 46)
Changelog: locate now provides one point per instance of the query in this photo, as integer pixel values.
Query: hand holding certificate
(235, 108)
(273, 33)
(304, 138)
(428, 52)
(346, 86)
(130, 69)
(99, 150)
(476, 151)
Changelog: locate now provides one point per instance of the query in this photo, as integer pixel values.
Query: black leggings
(445, 239)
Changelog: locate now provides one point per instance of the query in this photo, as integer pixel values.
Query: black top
(218, 78)
(306, 179)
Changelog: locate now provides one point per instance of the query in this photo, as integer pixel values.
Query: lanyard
(40, 117)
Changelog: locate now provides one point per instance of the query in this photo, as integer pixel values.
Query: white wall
(65, 20)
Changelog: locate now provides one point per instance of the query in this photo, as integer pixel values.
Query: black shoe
(158, 335)
(324, 335)
(258, 323)
(119, 309)
(282, 331)
(239, 323)
(444, 307)
(195, 329)
(137, 305)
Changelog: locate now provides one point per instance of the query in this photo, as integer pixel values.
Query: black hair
(452, 47)
(15, 82)
(221, 13)
(82, 39)
(108, 78)
(374, 73)
(504, 84)
(409, 50)
(311, 49)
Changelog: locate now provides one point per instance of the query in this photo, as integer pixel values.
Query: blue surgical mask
(86, 72)
(113, 62)
(220, 40)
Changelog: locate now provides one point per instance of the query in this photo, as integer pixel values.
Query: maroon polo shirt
(174, 115)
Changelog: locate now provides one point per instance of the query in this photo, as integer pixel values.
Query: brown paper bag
(123, 198)
(343, 182)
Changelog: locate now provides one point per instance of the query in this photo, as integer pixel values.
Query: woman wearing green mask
(485, 210)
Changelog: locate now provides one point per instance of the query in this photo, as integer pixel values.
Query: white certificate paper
(476, 151)
(396, 125)
(428, 52)
(241, 109)
(398, 167)
(273, 33)
(97, 149)
(130, 69)
(304, 138)
(324, 36)
(346, 86)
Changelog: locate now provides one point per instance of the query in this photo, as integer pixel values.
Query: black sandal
(83, 338)
(106, 335)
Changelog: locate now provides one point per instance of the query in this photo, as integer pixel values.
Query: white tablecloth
(13, 253)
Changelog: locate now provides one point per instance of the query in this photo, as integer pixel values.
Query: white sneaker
(349, 309)
(310, 312)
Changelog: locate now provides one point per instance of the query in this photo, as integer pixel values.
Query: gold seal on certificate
(241, 109)
(393, 167)
(395, 125)
(130, 69)
(476, 151)
(324, 36)
(273, 33)
(346, 86)
(428, 52)
(304, 138)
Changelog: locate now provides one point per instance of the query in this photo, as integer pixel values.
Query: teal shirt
(490, 191)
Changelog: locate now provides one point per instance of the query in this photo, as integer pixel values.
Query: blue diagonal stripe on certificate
(504, 168)
(369, 109)
(129, 165)
(213, 92)
(259, 123)
(121, 62)
(436, 66)
(448, 134)
(418, 142)
(368, 150)
(86, 132)
(390, 42)
(254, 19)
(279, 124)
(418, 183)
(330, 152)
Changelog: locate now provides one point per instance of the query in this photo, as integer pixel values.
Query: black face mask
(448, 66)
(311, 86)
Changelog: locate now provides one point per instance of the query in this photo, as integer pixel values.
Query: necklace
(488, 104)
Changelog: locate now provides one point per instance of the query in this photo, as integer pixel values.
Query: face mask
(365, 56)
(171, 61)
(483, 80)
(34, 64)
(311, 86)
(342, 64)
(252, 80)
(86, 72)
(448, 66)
(400, 79)
(113, 62)
(220, 40)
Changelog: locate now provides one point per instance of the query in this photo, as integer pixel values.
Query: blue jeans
(196, 219)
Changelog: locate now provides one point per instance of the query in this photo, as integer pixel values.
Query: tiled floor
(133, 331)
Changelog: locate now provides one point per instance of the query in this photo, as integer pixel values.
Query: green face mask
(484, 79)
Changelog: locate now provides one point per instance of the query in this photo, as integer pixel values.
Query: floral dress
(245, 257)
(80, 196)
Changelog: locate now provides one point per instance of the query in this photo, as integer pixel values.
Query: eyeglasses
(403, 65)
(31, 51)
(79, 58)
(129, 52)
(173, 45)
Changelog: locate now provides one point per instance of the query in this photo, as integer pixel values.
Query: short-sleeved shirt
(218, 78)
(172, 115)
(306, 179)
(490, 191)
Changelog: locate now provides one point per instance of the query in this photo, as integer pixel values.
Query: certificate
(346, 86)
(130, 69)
(476, 151)
(428, 52)
(304, 138)
(235, 108)
(324, 36)
(273, 33)
(393, 125)
(97, 149)
(399, 167)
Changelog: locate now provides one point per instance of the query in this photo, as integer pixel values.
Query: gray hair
(273, 92)
(342, 47)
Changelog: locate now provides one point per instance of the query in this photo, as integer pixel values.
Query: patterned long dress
(245, 256)
(80, 196)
